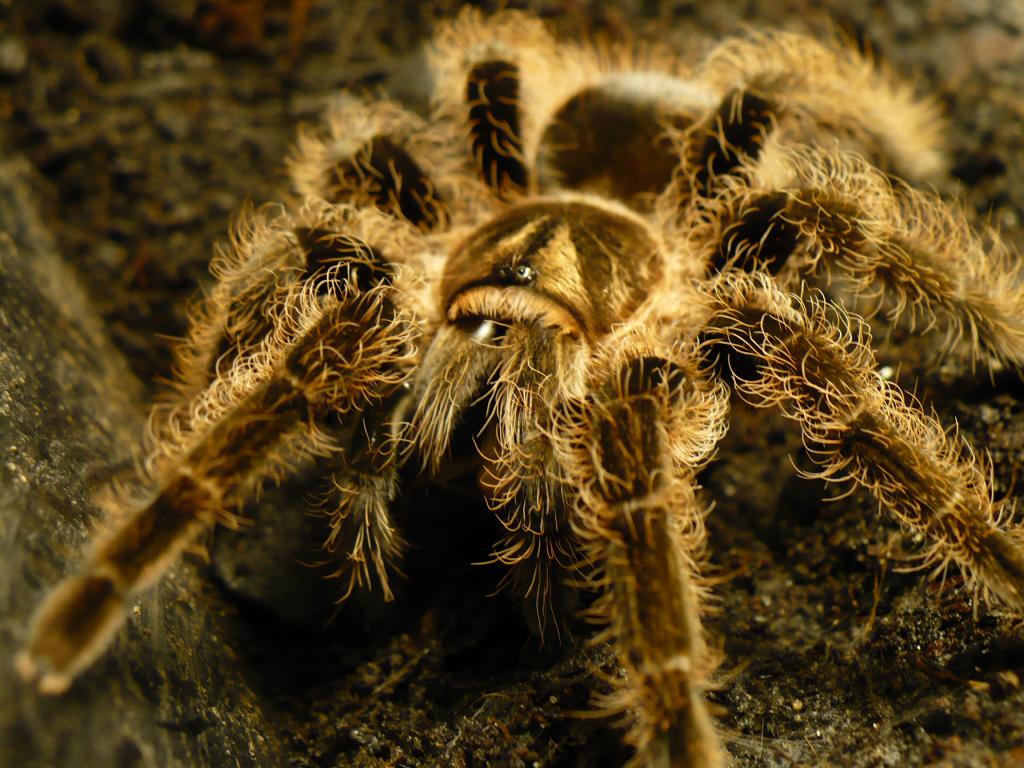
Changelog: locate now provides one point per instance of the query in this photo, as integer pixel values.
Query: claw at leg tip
(48, 683)
(54, 684)
(26, 667)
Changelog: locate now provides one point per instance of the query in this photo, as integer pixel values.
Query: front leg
(341, 348)
(631, 449)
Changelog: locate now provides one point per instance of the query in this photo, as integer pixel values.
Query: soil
(134, 131)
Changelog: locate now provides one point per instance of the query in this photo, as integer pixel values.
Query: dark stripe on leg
(324, 249)
(758, 237)
(492, 93)
(734, 133)
(387, 174)
(762, 231)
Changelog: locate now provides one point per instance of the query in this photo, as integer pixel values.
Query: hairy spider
(595, 247)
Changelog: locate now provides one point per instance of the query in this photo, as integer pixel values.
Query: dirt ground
(145, 127)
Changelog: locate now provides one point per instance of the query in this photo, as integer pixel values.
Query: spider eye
(521, 274)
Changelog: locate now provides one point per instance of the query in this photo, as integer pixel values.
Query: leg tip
(54, 684)
(30, 670)
(70, 629)
(26, 667)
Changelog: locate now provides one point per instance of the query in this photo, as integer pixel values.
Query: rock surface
(150, 128)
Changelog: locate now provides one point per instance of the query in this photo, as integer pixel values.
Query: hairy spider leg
(486, 72)
(632, 447)
(809, 358)
(378, 154)
(899, 250)
(271, 255)
(341, 346)
(782, 88)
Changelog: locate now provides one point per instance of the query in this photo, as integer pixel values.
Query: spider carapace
(571, 265)
(598, 247)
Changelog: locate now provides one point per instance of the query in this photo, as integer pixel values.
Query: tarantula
(592, 249)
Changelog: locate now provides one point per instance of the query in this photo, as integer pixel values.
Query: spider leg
(810, 359)
(341, 346)
(363, 541)
(785, 88)
(376, 153)
(270, 256)
(486, 70)
(632, 449)
(898, 249)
